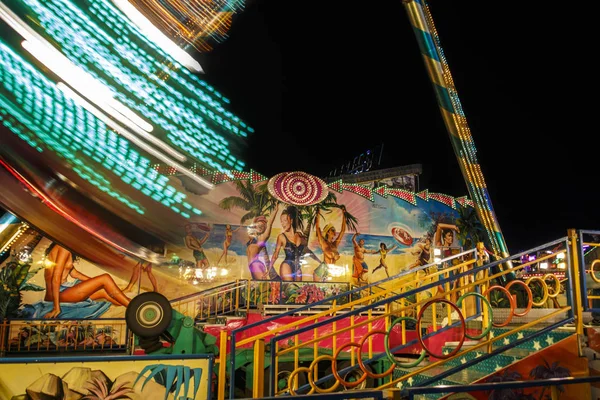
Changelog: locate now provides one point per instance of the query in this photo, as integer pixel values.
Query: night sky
(322, 82)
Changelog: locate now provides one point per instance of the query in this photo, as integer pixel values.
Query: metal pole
(454, 119)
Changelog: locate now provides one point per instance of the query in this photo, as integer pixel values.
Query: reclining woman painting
(70, 293)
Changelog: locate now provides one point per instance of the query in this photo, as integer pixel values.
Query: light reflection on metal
(156, 36)
(55, 207)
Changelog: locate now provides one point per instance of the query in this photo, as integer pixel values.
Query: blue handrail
(409, 393)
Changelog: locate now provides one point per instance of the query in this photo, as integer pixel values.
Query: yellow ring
(592, 270)
(310, 375)
(556, 286)
(544, 287)
(293, 375)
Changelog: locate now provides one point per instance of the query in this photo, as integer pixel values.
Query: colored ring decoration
(594, 277)
(511, 300)
(310, 375)
(556, 286)
(528, 290)
(360, 361)
(293, 375)
(337, 375)
(544, 288)
(462, 322)
(387, 345)
(298, 188)
(490, 314)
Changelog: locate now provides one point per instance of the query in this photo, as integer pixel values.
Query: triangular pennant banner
(381, 190)
(444, 199)
(203, 171)
(423, 194)
(470, 203)
(461, 200)
(404, 195)
(256, 177)
(221, 177)
(359, 189)
(240, 175)
(337, 186)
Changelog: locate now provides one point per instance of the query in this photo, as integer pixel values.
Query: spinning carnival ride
(121, 177)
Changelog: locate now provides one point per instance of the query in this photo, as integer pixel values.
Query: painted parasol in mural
(298, 188)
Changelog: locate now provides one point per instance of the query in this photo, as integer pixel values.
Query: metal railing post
(576, 274)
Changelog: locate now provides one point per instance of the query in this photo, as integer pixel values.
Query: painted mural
(310, 252)
(129, 377)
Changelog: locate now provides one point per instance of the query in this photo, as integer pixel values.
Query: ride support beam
(454, 119)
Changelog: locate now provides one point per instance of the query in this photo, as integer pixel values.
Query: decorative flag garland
(339, 186)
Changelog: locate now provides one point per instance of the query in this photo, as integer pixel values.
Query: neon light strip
(70, 73)
(79, 100)
(83, 82)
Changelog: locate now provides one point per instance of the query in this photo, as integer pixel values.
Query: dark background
(323, 82)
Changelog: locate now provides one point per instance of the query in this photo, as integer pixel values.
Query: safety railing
(507, 388)
(589, 253)
(452, 297)
(47, 336)
(362, 301)
(226, 299)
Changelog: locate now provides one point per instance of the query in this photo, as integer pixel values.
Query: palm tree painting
(175, 378)
(507, 394)
(308, 214)
(471, 230)
(255, 199)
(547, 371)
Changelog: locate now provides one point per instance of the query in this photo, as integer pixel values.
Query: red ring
(335, 371)
(362, 365)
(462, 322)
(510, 300)
(529, 304)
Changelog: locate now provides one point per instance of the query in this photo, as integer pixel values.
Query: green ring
(490, 314)
(387, 345)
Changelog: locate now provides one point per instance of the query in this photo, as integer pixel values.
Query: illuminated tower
(454, 119)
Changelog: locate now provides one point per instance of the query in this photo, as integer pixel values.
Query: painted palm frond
(255, 199)
(174, 378)
(471, 230)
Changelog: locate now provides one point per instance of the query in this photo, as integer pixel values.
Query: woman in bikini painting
(61, 290)
(291, 242)
(329, 243)
(256, 249)
(227, 242)
(383, 250)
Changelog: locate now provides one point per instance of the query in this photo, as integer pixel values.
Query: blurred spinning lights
(198, 23)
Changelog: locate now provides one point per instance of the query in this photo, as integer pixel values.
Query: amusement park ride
(140, 259)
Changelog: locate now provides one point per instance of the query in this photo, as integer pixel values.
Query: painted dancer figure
(383, 250)
(361, 269)
(256, 248)
(423, 251)
(444, 237)
(291, 242)
(142, 266)
(227, 242)
(60, 290)
(329, 243)
(195, 244)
